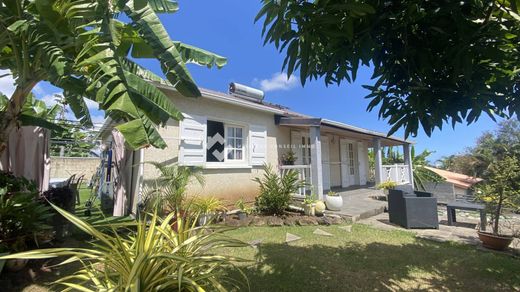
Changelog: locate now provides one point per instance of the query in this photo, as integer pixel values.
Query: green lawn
(369, 259)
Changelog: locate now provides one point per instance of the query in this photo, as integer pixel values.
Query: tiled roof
(458, 179)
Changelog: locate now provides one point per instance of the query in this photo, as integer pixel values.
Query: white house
(231, 137)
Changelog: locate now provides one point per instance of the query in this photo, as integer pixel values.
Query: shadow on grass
(420, 266)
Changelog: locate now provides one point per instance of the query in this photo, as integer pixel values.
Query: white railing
(397, 173)
(304, 174)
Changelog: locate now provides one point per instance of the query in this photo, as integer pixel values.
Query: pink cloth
(122, 178)
(27, 155)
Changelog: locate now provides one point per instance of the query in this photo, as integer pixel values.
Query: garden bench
(453, 206)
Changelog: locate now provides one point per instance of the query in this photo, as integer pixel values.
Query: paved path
(463, 231)
(358, 203)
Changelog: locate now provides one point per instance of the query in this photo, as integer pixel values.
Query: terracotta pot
(496, 242)
(15, 265)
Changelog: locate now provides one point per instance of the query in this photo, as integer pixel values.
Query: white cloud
(6, 83)
(278, 81)
(38, 90)
(50, 99)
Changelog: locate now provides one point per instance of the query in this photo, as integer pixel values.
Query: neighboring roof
(271, 108)
(458, 179)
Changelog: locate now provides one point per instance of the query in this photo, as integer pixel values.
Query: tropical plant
(289, 158)
(147, 255)
(501, 189)
(169, 190)
(206, 205)
(87, 48)
(332, 194)
(241, 205)
(387, 185)
(22, 218)
(276, 190)
(421, 174)
(310, 199)
(433, 62)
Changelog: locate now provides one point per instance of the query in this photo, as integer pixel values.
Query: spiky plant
(148, 255)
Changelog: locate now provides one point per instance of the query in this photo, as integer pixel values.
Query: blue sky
(226, 27)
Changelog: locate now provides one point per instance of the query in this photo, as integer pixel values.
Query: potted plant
(333, 201)
(387, 185)
(207, 209)
(289, 158)
(500, 190)
(244, 210)
(309, 205)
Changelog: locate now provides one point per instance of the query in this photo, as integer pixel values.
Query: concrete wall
(63, 167)
(226, 183)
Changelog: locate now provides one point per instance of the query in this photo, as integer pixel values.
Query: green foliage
(240, 204)
(387, 185)
(275, 190)
(87, 48)
(310, 199)
(332, 194)
(421, 174)
(22, 215)
(433, 62)
(505, 140)
(168, 191)
(289, 157)
(147, 255)
(501, 189)
(206, 205)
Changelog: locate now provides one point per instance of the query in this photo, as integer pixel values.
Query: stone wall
(63, 167)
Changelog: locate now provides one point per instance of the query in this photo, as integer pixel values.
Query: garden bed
(287, 219)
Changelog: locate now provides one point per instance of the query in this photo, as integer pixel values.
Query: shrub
(276, 190)
(205, 205)
(150, 256)
(22, 217)
(387, 185)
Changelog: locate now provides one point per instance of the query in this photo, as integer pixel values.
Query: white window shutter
(258, 142)
(192, 140)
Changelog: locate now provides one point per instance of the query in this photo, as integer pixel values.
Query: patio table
(453, 206)
(58, 182)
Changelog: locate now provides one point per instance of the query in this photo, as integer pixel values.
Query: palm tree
(86, 48)
(421, 174)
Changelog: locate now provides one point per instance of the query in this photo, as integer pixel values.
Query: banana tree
(88, 49)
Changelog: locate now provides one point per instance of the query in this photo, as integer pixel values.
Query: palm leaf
(154, 33)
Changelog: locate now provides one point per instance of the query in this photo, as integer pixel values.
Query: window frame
(246, 161)
(226, 145)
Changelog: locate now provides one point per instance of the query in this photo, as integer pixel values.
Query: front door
(325, 162)
(362, 162)
(348, 167)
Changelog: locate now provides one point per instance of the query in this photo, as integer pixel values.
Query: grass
(369, 259)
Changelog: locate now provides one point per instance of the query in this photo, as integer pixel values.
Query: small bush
(276, 191)
(387, 185)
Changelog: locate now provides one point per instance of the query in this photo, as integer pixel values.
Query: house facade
(232, 137)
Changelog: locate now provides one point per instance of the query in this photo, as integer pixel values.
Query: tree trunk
(9, 118)
(498, 210)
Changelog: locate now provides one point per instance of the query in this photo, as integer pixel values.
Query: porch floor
(358, 202)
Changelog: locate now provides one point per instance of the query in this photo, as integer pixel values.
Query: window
(234, 143)
(351, 158)
(225, 142)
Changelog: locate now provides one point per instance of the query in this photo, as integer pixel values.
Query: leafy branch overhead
(433, 62)
(87, 49)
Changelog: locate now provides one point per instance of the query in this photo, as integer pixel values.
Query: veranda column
(378, 161)
(408, 162)
(316, 166)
